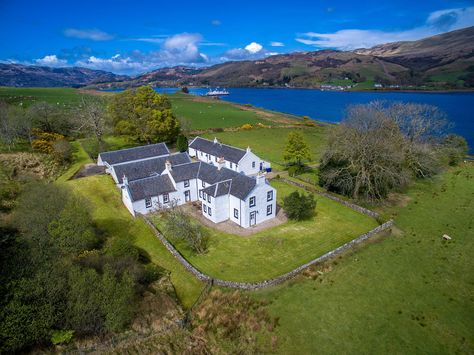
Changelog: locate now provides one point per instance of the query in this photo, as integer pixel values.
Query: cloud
(92, 34)
(277, 44)
(348, 39)
(51, 61)
(216, 22)
(253, 47)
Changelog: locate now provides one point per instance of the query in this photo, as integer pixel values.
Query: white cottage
(152, 183)
(240, 160)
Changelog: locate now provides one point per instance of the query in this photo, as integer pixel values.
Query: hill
(36, 76)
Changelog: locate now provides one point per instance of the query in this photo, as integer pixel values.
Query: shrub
(246, 126)
(295, 170)
(299, 206)
(62, 151)
(62, 337)
(182, 143)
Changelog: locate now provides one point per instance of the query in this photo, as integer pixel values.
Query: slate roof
(218, 149)
(185, 172)
(151, 186)
(130, 154)
(219, 189)
(144, 168)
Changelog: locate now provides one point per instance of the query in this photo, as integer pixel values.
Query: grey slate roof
(219, 189)
(185, 172)
(151, 186)
(144, 168)
(218, 149)
(130, 154)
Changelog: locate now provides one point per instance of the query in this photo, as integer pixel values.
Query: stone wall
(334, 198)
(270, 282)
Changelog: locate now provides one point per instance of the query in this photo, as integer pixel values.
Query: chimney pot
(168, 165)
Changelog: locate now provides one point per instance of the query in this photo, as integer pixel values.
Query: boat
(217, 92)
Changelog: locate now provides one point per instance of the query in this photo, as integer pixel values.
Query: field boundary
(269, 282)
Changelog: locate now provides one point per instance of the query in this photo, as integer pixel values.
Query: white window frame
(186, 183)
(148, 203)
(269, 210)
(208, 198)
(270, 195)
(254, 201)
(166, 198)
(209, 211)
(236, 213)
(204, 208)
(253, 165)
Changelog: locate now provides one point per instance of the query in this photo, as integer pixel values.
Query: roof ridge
(227, 145)
(140, 146)
(148, 177)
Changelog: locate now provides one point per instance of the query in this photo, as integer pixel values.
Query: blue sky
(132, 37)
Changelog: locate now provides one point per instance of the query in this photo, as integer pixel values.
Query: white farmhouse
(236, 159)
(149, 183)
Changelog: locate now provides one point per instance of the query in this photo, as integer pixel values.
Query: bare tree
(8, 126)
(381, 147)
(92, 118)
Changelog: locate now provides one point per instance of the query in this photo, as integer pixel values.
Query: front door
(253, 218)
(187, 196)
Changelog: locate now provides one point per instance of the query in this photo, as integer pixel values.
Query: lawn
(64, 97)
(410, 293)
(80, 157)
(112, 217)
(270, 143)
(280, 249)
(204, 114)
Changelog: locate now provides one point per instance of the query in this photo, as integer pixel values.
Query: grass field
(80, 157)
(280, 249)
(270, 143)
(63, 97)
(112, 217)
(411, 293)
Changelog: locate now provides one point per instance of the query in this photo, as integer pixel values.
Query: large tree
(296, 149)
(92, 118)
(380, 147)
(144, 115)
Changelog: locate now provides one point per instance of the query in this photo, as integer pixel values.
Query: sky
(132, 37)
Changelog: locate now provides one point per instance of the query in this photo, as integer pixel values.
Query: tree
(62, 151)
(178, 225)
(382, 147)
(8, 125)
(182, 143)
(144, 115)
(299, 206)
(92, 118)
(296, 149)
(50, 118)
(455, 149)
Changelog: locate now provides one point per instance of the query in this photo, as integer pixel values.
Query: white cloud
(92, 34)
(277, 44)
(436, 23)
(51, 61)
(253, 47)
(216, 22)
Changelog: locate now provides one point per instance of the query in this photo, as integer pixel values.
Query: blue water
(329, 106)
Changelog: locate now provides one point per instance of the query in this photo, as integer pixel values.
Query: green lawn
(411, 293)
(280, 249)
(63, 97)
(270, 143)
(204, 114)
(112, 217)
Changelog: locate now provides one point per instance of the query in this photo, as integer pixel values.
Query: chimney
(220, 163)
(215, 140)
(260, 178)
(168, 165)
(124, 180)
(248, 150)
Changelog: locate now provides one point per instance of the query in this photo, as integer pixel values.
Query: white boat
(217, 92)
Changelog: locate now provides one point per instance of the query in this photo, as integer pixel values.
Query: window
(216, 158)
(252, 201)
(209, 211)
(269, 210)
(201, 153)
(231, 165)
(203, 184)
(148, 202)
(204, 195)
(236, 213)
(253, 165)
(269, 195)
(186, 183)
(209, 198)
(200, 193)
(166, 198)
(205, 208)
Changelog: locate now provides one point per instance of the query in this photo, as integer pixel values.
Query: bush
(299, 206)
(62, 337)
(246, 126)
(295, 170)
(182, 143)
(62, 151)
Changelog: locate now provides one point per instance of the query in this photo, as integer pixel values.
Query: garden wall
(270, 282)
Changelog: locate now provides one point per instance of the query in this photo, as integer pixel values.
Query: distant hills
(36, 76)
(440, 62)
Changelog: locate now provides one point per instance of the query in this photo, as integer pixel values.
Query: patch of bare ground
(229, 227)
(89, 170)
